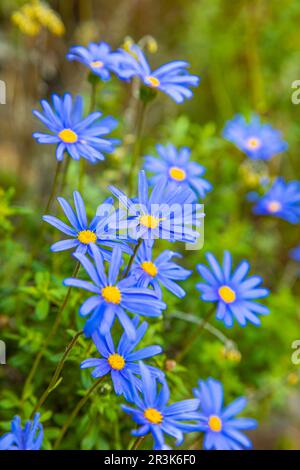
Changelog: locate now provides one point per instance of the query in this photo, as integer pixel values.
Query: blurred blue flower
(233, 293)
(99, 58)
(82, 233)
(222, 430)
(119, 361)
(256, 140)
(154, 415)
(78, 136)
(171, 78)
(281, 200)
(160, 271)
(174, 164)
(295, 253)
(112, 297)
(29, 438)
(171, 215)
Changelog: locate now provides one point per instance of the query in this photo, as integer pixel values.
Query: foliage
(247, 69)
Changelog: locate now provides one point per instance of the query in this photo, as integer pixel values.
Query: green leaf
(42, 309)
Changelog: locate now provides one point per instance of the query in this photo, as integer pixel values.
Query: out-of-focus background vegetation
(247, 53)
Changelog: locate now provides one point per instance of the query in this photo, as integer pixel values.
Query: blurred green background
(247, 53)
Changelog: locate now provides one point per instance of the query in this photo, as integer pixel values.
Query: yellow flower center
(87, 236)
(116, 361)
(177, 173)
(274, 206)
(215, 423)
(149, 268)
(253, 143)
(97, 64)
(149, 221)
(153, 416)
(111, 294)
(227, 294)
(68, 136)
(153, 81)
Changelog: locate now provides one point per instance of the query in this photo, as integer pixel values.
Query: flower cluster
(124, 272)
(33, 16)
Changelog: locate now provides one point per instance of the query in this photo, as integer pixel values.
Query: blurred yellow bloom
(127, 46)
(49, 19)
(293, 378)
(252, 176)
(147, 42)
(25, 24)
(232, 355)
(150, 44)
(34, 16)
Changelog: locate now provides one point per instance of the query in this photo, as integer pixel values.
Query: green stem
(190, 341)
(56, 374)
(76, 410)
(137, 443)
(50, 336)
(93, 101)
(65, 175)
(137, 146)
(82, 168)
(132, 257)
(54, 186)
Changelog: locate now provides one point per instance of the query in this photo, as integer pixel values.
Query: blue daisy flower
(29, 438)
(83, 233)
(154, 416)
(174, 164)
(118, 362)
(78, 136)
(281, 200)
(233, 293)
(99, 58)
(171, 78)
(112, 297)
(295, 253)
(222, 430)
(258, 141)
(157, 272)
(171, 215)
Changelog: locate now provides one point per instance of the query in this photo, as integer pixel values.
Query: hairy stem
(94, 89)
(137, 146)
(76, 410)
(132, 258)
(137, 443)
(82, 162)
(65, 175)
(190, 341)
(54, 186)
(56, 374)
